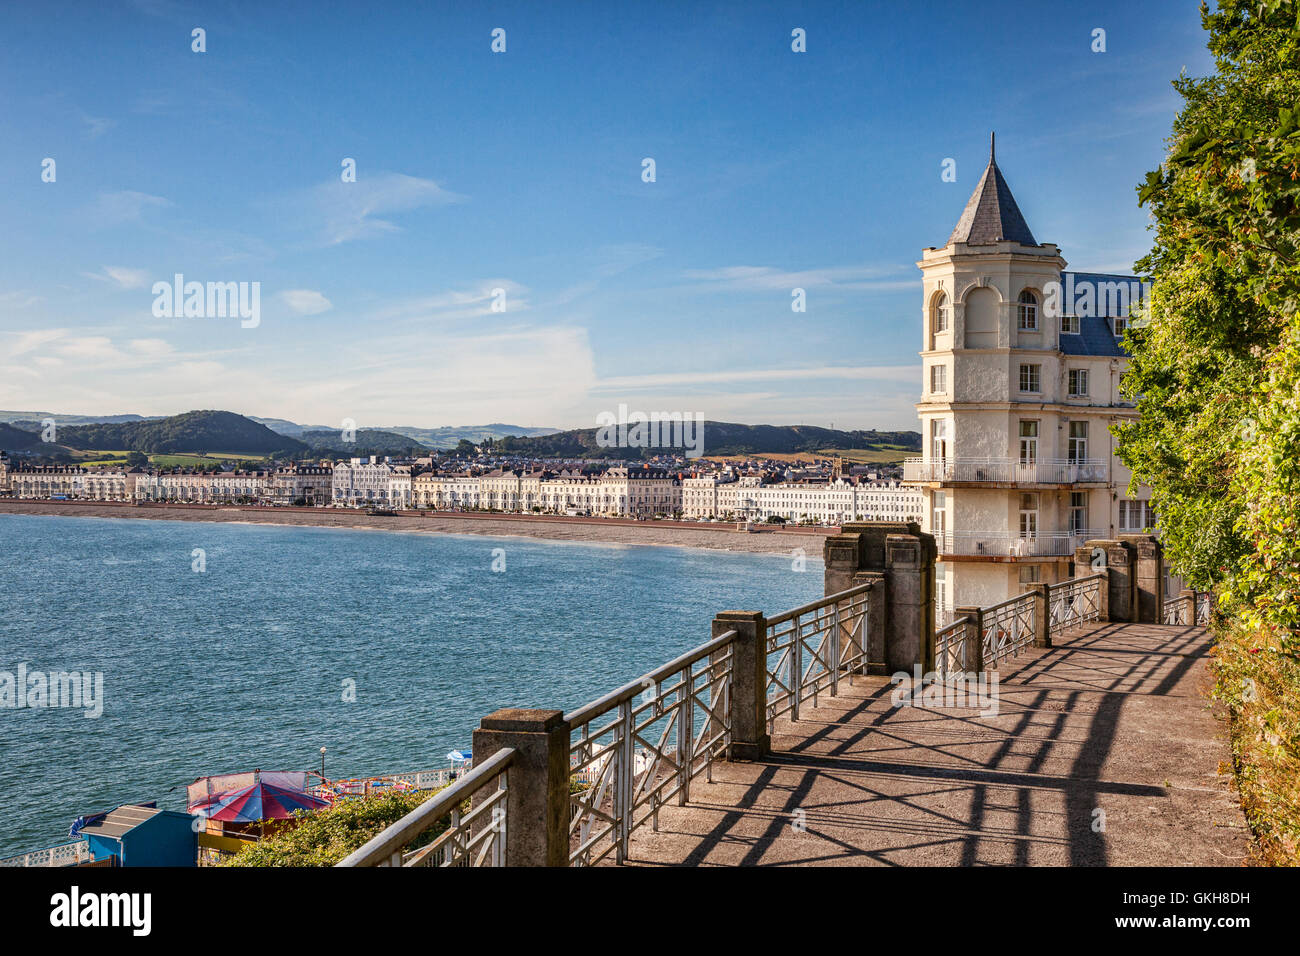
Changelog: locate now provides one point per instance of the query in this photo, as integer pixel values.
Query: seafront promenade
(1068, 725)
(1103, 753)
(722, 536)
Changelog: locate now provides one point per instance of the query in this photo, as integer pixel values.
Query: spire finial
(992, 154)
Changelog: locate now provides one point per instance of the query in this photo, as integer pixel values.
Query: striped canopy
(250, 797)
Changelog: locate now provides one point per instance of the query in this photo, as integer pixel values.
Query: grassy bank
(1259, 679)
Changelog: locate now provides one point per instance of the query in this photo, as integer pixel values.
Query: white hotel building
(832, 502)
(1018, 463)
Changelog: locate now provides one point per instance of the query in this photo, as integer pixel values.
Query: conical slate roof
(991, 213)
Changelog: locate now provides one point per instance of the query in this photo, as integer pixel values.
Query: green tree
(1211, 350)
(1216, 379)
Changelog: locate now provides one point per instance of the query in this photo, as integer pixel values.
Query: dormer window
(1027, 309)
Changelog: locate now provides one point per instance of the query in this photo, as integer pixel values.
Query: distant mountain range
(720, 438)
(228, 435)
(35, 418)
(448, 436)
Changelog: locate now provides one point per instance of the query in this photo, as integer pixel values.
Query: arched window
(1028, 311)
(941, 313)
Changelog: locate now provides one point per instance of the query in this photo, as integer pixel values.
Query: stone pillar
(1189, 606)
(1148, 577)
(1115, 557)
(877, 616)
(974, 637)
(749, 737)
(906, 558)
(1042, 614)
(537, 800)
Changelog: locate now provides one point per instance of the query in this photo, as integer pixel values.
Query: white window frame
(1031, 375)
(1028, 526)
(1077, 445)
(1027, 311)
(1028, 432)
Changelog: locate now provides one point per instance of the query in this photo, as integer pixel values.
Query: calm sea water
(243, 666)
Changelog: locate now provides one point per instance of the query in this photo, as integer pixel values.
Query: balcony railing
(639, 747)
(1005, 544)
(65, 854)
(808, 648)
(1074, 602)
(1175, 611)
(1005, 629)
(473, 838)
(1043, 471)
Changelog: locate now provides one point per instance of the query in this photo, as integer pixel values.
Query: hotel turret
(1021, 364)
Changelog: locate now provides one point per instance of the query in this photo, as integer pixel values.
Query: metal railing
(1043, 471)
(65, 854)
(808, 647)
(367, 786)
(1074, 602)
(1174, 611)
(1007, 544)
(1008, 628)
(640, 746)
(950, 648)
(476, 837)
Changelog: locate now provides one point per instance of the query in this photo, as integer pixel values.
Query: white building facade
(1018, 395)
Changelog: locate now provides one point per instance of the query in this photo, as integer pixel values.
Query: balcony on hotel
(1005, 545)
(1005, 472)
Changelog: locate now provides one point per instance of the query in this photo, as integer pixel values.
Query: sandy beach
(720, 537)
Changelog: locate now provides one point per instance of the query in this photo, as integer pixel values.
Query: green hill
(720, 438)
(369, 441)
(196, 431)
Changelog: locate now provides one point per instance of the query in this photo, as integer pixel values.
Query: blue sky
(522, 171)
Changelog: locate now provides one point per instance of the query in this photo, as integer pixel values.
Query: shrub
(325, 837)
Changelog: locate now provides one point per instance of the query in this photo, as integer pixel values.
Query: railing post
(906, 557)
(537, 797)
(1042, 614)
(748, 697)
(1113, 558)
(1103, 595)
(1189, 606)
(685, 739)
(1148, 578)
(974, 637)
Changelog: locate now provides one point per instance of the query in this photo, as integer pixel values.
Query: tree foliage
(1215, 363)
(325, 837)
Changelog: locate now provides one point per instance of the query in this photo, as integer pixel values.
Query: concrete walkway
(1113, 719)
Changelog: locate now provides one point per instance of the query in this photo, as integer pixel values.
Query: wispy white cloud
(20, 343)
(306, 301)
(125, 206)
(765, 278)
(338, 212)
(879, 373)
(474, 301)
(96, 126)
(123, 277)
